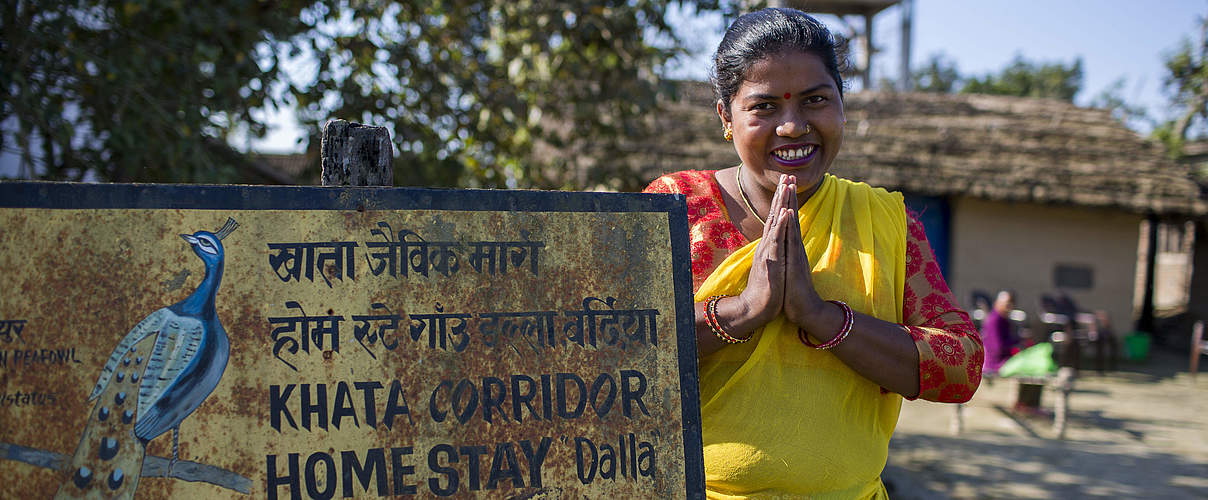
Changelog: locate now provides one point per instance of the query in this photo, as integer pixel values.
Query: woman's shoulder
(865, 187)
(687, 182)
(888, 205)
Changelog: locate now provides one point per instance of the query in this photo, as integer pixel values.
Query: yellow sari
(783, 420)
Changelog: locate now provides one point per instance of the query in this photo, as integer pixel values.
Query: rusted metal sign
(199, 341)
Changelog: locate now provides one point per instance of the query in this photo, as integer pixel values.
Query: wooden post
(866, 56)
(906, 82)
(1145, 318)
(356, 155)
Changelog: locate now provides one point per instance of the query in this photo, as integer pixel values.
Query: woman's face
(787, 117)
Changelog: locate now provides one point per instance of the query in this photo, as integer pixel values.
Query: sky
(1115, 39)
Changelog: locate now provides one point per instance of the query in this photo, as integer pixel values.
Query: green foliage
(1027, 79)
(470, 87)
(1187, 84)
(1164, 133)
(938, 75)
(476, 93)
(1020, 77)
(132, 90)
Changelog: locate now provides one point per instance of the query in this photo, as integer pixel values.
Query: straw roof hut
(1011, 149)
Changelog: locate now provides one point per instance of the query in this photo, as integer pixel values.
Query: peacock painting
(159, 373)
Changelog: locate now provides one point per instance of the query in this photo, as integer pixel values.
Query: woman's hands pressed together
(779, 281)
(763, 297)
(802, 305)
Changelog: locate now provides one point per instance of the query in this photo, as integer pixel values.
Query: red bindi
(787, 95)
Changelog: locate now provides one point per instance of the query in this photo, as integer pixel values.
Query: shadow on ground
(977, 468)
(1137, 432)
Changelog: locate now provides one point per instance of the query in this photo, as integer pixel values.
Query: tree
(129, 91)
(1027, 79)
(1187, 85)
(153, 90)
(938, 75)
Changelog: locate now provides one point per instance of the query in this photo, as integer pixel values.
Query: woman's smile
(794, 155)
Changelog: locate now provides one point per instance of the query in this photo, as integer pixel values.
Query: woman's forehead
(793, 71)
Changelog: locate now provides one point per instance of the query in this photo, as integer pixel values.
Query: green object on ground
(1136, 346)
(1035, 361)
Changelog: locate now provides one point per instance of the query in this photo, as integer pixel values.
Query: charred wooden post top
(356, 155)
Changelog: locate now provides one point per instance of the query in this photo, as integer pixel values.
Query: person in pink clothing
(998, 340)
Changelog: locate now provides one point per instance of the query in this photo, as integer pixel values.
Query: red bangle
(848, 318)
(711, 320)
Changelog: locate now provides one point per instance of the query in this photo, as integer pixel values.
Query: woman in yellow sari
(819, 303)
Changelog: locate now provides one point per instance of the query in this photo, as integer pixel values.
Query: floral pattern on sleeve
(950, 348)
(712, 237)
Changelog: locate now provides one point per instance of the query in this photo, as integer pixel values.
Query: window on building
(1170, 238)
(1074, 276)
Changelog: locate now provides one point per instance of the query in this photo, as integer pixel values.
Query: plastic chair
(1058, 318)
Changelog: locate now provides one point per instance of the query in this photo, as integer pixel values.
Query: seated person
(998, 339)
(1093, 329)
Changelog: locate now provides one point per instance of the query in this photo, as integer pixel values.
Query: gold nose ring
(807, 128)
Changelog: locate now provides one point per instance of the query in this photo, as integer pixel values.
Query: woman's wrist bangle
(711, 320)
(848, 318)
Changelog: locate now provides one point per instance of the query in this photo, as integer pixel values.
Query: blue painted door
(935, 215)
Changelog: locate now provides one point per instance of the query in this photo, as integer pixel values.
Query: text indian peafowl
(173, 359)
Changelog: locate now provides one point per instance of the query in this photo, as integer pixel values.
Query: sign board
(307, 342)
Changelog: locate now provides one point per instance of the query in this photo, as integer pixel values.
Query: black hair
(763, 33)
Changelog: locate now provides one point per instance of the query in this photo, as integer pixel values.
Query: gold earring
(729, 134)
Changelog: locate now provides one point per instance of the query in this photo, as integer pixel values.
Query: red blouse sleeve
(711, 235)
(950, 349)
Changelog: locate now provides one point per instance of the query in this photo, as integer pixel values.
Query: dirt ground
(1138, 432)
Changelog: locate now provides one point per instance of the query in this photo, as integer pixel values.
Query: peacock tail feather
(108, 461)
(149, 326)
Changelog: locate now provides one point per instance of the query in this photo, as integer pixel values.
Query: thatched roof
(991, 147)
(1195, 157)
(1196, 150)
